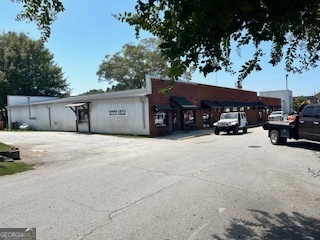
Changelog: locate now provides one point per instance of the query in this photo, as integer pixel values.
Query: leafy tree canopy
(298, 102)
(127, 68)
(41, 12)
(200, 32)
(93, 91)
(27, 68)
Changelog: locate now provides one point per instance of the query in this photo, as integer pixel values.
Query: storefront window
(161, 119)
(234, 109)
(206, 120)
(189, 115)
(227, 109)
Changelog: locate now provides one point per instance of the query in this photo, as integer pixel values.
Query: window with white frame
(161, 119)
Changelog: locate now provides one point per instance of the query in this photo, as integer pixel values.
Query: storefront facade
(188, 106)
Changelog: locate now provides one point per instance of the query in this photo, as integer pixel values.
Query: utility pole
(286, 81)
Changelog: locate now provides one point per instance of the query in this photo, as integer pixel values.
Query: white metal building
(123, 112)
(284, 95)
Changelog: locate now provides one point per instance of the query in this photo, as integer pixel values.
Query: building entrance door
(177, 120)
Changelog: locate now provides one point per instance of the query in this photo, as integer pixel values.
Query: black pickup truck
(306, 125)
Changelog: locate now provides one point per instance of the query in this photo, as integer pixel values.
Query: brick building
(187, 106)
(190, 105)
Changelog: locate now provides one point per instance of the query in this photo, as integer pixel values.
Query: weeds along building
(187, 106)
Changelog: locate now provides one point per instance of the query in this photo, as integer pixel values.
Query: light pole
(286, 81)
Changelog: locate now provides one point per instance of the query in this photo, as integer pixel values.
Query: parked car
(277, 116)
(231, 121)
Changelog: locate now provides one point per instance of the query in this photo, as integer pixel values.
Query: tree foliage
(127, 68)
(41, 12)
(297, 102)
(93, 91)
(27, 68)
(200, 32)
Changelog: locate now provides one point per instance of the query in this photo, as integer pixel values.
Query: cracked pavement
(90, 186)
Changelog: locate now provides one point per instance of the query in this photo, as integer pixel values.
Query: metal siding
(130, 124)
(62, 119)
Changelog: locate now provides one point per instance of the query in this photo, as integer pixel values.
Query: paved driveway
(206, 187)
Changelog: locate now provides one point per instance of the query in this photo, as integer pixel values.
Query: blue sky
(86, 32)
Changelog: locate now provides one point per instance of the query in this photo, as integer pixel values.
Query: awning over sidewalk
(210, 104)
(183, 103)
(261, 105)
(228, 104)
(162, 108)
(247, 104)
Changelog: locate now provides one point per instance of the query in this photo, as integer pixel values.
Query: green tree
(41, 12)
(297, 102)
(127, 68)
(93, 91)
(27, 68)
(200, 32)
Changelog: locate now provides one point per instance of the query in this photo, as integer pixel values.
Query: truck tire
(245, 130)
(276, 139)
(216, 131)
(236, 129)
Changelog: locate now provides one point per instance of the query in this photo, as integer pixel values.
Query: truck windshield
(229, 116)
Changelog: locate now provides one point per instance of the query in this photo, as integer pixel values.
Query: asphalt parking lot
(192, 185)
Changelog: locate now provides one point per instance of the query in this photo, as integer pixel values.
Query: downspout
(9, 119)
(143, 100)
(89, 122)
(49, 109)
(31, 118)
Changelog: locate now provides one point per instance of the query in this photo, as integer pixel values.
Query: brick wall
(195, 93)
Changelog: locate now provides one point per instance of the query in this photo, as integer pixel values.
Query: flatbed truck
(306, 125)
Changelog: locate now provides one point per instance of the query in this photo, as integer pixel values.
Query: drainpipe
(143, 101)
(49, 109)
(31, 118)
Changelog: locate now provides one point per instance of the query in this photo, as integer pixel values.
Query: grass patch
(5, 147)
(7, 168)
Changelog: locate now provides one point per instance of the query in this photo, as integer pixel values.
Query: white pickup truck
(231, 121)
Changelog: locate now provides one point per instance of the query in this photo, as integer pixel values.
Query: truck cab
(309, 122)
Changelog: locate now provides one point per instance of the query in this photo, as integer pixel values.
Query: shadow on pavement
(306, 145)
(181, 135)
(268, 226)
